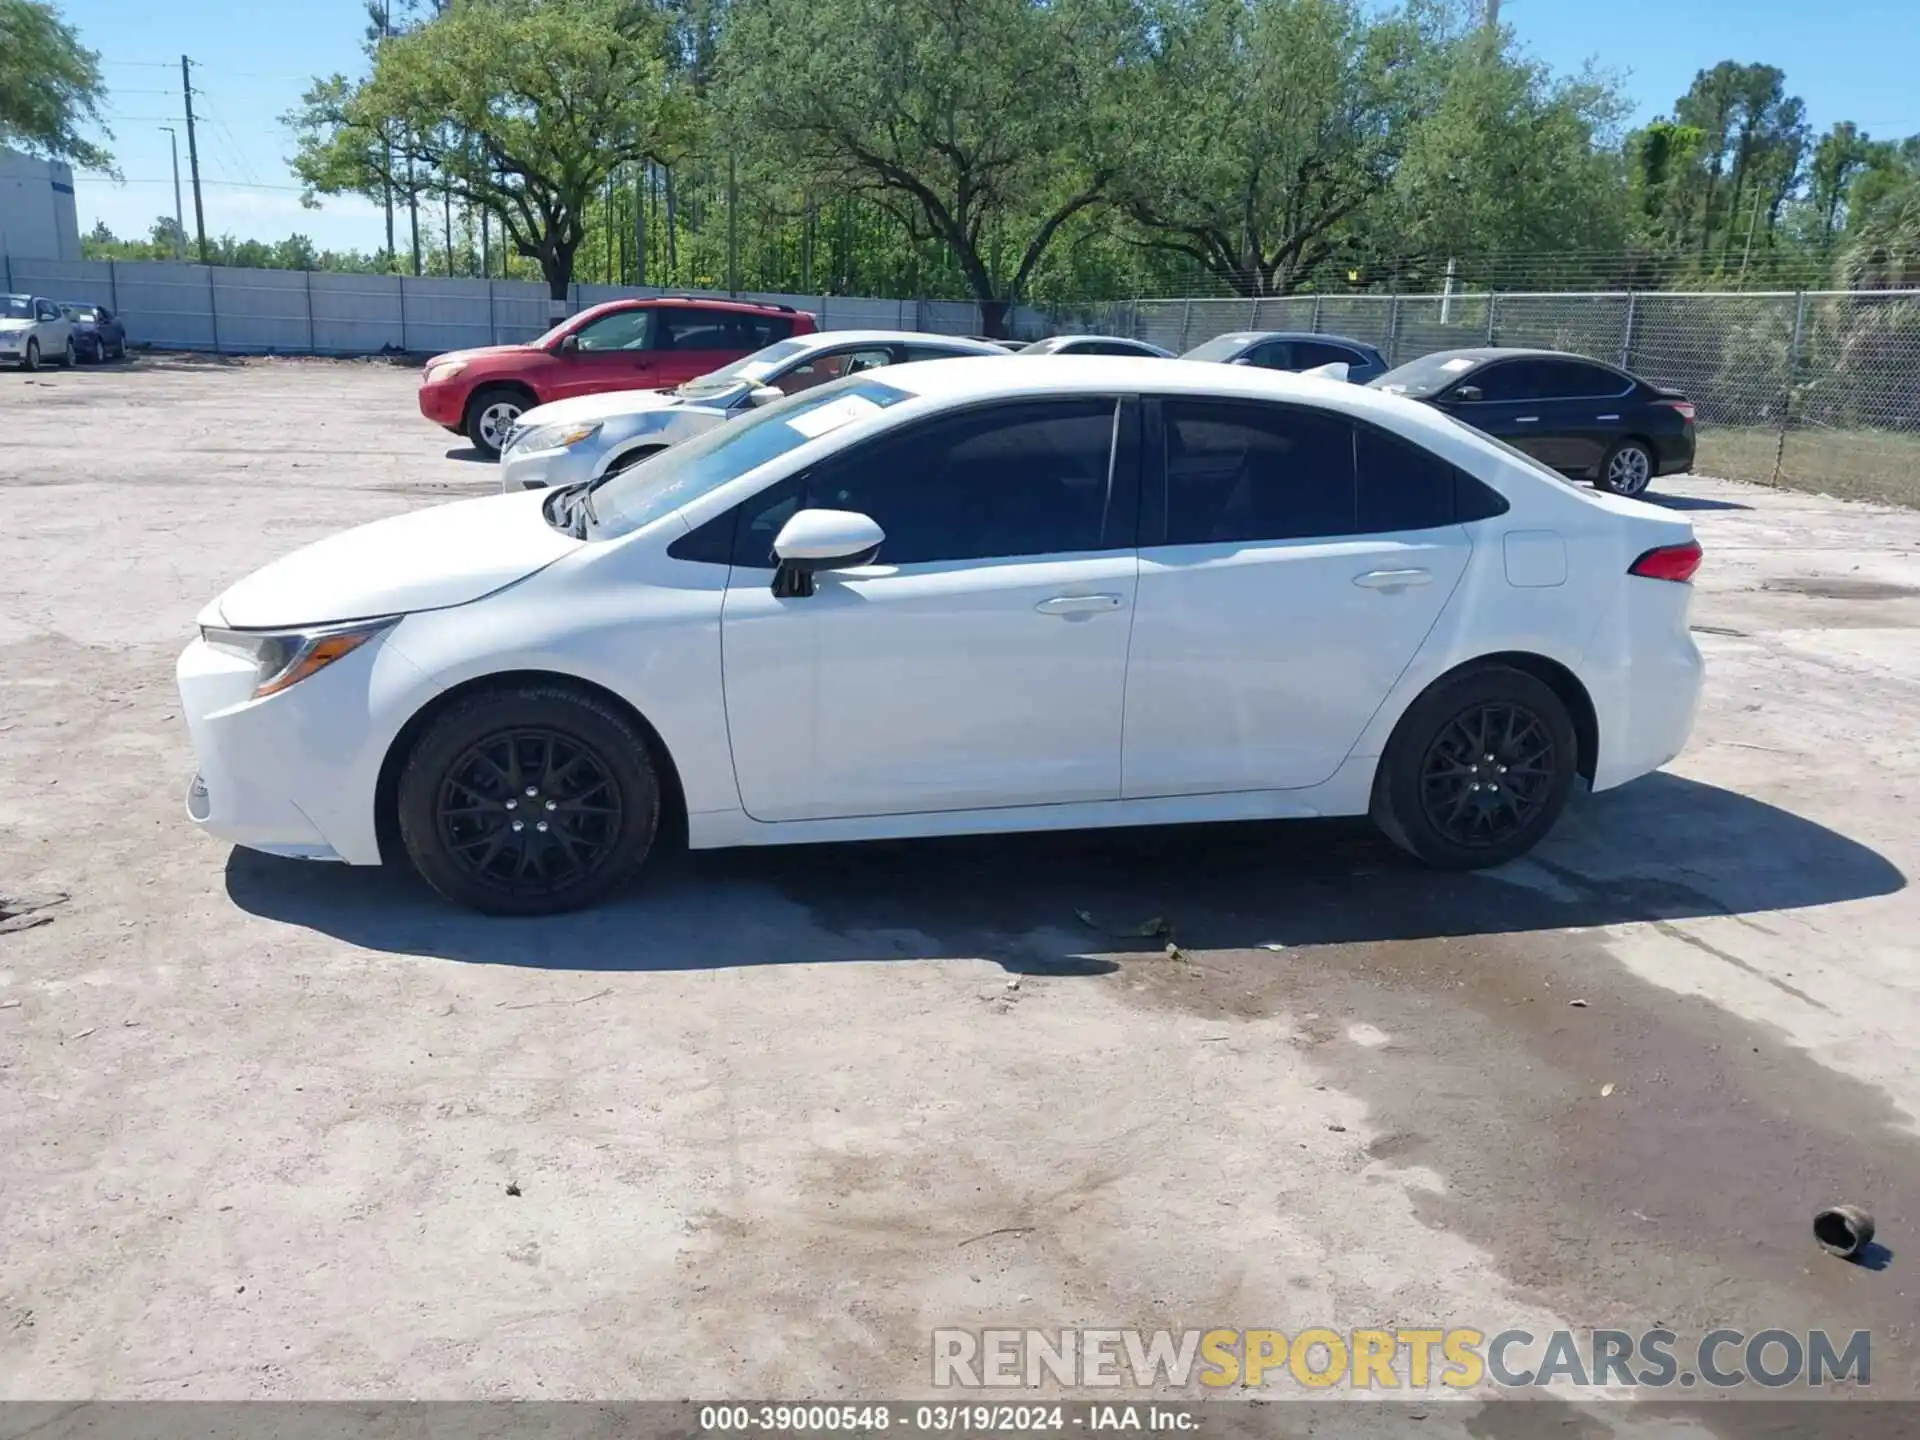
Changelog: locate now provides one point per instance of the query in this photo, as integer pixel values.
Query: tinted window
(831, 366)
(935, 352)
(1577, 379)
(1224, 348)
(1309, 353)
(688, 328)
(1274, 355)
(622, 330)
(1511, 380)
(1024, 479)
(1255, 472)
(1402, 486)
(47, 310)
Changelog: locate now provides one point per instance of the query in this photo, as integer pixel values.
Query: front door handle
(1606, 417)
(1393, 579)
(1078, 604)
(1526, 419)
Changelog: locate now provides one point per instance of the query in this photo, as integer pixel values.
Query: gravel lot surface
(777, 1114)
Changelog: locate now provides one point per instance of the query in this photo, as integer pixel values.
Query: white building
(37, 218)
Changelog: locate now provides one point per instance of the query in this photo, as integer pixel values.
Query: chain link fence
(1818, 390)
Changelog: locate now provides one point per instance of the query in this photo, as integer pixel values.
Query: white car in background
(33, 330)
(1040, 594)
(568, 441)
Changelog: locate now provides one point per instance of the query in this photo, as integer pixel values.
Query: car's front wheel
(30, 358)
(490, 415)
(528, 801)
(1627, 470)
(1478, 769)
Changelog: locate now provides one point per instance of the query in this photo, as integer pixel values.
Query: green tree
(1843, 152)
(50, 86)
(521, 108)
(1754, 136)
(979, 126)
(1262, 127)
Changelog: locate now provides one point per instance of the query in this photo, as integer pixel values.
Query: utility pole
(1493, 14)
(179, 218)
(193, 157)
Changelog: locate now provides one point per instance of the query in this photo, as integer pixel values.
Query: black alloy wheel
(528, 801)
(529, 810)
(1478, 769)
(1487, 774)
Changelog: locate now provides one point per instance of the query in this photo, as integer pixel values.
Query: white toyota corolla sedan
(951, 597)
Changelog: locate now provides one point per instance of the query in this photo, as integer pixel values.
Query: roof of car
(1249, 337)
(963, 343)
(1018, 375)
(1100, 339)
(1499, 352)
(753, 307)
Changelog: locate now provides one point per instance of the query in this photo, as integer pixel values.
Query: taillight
(1684, 407)
(1668, 562)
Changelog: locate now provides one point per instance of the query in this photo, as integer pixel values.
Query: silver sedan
(594, 435)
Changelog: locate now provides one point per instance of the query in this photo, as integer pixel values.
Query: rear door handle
(1526, 419)
(1078, 604)
(1606, 417)
(1393, 579)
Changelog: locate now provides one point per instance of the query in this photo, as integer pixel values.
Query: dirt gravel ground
(777, 1114)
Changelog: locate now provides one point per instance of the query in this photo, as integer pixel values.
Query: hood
(425, 560)
(479, 352)
(608, 405)
(12, 325)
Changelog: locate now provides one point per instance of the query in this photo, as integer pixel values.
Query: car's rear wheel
(528, 801)
(490, 415)
(30, 358)
(1478, 769)
(1628, 469)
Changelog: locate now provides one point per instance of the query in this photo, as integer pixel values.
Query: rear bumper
(1676, 454)
(1651, 675)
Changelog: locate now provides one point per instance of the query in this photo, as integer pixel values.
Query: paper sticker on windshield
(1461, 363)
(844, 411)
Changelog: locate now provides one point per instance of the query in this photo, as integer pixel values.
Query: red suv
(622, 345)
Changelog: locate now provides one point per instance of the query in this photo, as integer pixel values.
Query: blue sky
(1849, 59)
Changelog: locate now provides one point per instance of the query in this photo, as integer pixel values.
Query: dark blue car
(1293, 350)
(97, 332)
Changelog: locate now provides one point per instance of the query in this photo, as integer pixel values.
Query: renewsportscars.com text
(1320, 1358)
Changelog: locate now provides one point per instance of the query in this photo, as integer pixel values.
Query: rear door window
(1580, 380)
(1309, 353)
(1246, 471)
(1508, 381)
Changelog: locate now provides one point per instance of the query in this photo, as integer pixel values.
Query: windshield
(748, 370)
(81, 312)
(641, 494)
(1224, 348)
(1425, 376)
(16, 307)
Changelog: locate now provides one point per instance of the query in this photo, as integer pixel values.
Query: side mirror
(569, 344)
(1466, 395)
(816, 540)
(1241, 360)
(766, 395)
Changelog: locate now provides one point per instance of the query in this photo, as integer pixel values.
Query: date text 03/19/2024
(965, 1418)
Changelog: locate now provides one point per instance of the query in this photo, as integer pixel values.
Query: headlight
(554, 437)
(437, 373)
(286, 657)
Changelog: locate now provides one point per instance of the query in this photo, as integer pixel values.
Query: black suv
(1584, 418)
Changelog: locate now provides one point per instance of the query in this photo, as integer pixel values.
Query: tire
(465, 786)
(72, 357)
(1627, 470)
(119, 349)
(490, 414)
(30, 359)
(1427, 795)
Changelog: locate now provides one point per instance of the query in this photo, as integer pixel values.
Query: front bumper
(293, 774)
(444, 404)
(539, 469)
